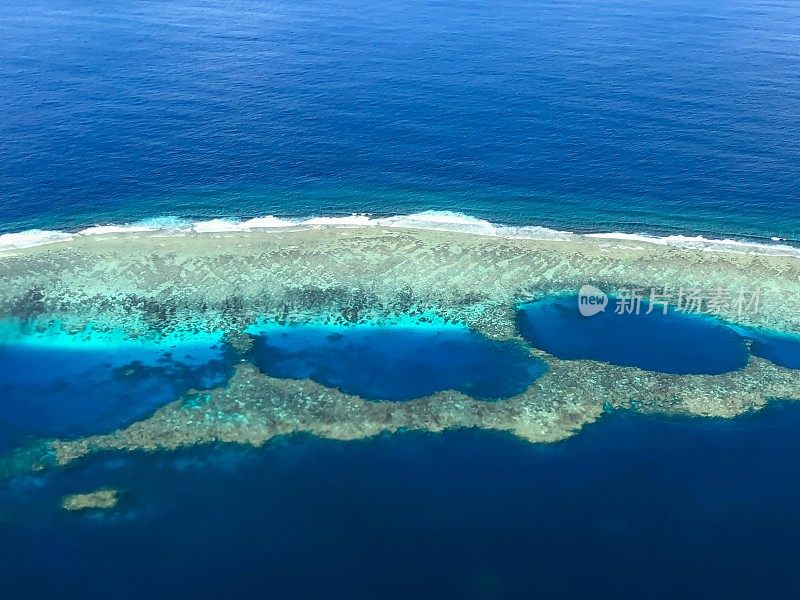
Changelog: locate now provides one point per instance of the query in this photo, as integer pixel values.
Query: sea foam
(427, 220)
(32, 237)
(705, 244)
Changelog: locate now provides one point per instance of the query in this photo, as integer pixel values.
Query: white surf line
(428, 220)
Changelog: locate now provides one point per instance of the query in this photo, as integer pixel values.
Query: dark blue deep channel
(397, 362)
(632, 507)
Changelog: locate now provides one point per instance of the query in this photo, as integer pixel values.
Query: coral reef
(162, 286)
(153, 285)
(100, 499)
(253, 408)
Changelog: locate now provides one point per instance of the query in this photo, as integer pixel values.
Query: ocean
(663, 118)
(633, 506)
(652, 120)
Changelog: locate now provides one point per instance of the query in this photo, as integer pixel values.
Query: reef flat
(152, 284)
(157, 286)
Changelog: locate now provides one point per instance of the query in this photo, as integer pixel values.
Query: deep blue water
(599, 115)
(397, 363)
(671, 343)
(632, 507)
(66, 392)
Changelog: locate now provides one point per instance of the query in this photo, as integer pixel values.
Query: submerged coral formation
(253, 408)
(154, 286)
(100, 499)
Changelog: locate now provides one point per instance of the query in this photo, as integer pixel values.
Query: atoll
(156, 286)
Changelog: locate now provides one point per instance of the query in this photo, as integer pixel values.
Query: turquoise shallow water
(56, 384)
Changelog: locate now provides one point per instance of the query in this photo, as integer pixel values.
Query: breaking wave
(430, 220)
